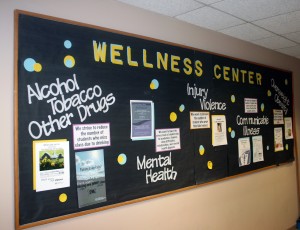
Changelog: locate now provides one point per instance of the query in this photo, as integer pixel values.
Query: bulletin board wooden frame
(224, 133)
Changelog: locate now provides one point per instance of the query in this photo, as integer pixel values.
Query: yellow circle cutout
(120, 159)
(209, 165)
(201, 150)
(229, 129)
(232, 98)
(63, 197)
(173, 116)
(69, 61)
(37, 67)
(152, 85)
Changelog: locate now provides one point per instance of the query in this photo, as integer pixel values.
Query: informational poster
(142, 120)
(199, 120)
(288, 128)
(167, 139)
(278, 117)
(258, 150)
(250, 105)
(244, 151)
(52, 165)
(219, 136)
(91, 135)
(278, 139)
(105, 118)
(90, 176)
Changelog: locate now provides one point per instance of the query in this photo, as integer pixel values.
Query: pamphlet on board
(142, 120)
(90, 175)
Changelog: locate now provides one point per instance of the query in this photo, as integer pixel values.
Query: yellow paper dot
(152, 85)
(229, 129)
(201, 150)
(209, 165)
(262, 107)
(120, 159)
(37, 67)
(69, 61)
(173, 117)
(63, 197)
(269, 93)
(232, 98)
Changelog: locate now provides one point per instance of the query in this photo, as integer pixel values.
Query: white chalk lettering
(37, 129)
(54, 89)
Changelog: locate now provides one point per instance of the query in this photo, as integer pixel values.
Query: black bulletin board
(157, 117)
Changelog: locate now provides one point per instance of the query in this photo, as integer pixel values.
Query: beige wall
(263, 200)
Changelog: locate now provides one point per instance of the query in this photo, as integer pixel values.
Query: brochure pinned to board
(142, 120)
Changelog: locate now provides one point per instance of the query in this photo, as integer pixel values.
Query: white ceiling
(274, 24)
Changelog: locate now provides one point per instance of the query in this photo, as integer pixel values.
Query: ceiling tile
(166, 7)
(208, 2)
(275, 42)
(210, 18)
(282, 24)
(292, 51)
(251, 10)
(293, 36)
(247, 32)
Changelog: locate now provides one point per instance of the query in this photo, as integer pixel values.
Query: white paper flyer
(52, 165)
(288, 128)
(219, 130)
(258, 151)
(278, 139)
(244, 151)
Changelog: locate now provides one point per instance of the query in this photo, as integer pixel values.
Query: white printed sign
(91, 135)
(278, 117)
(250, 105)
(167, 139)
(199, 120)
